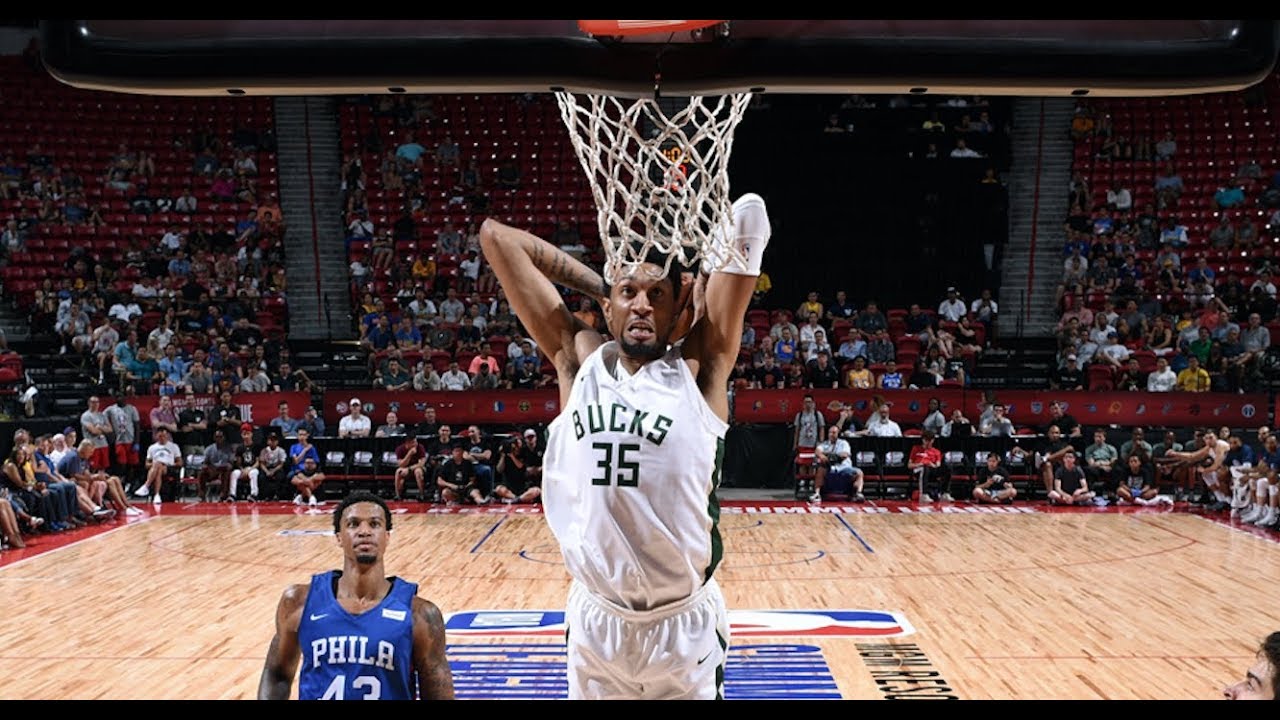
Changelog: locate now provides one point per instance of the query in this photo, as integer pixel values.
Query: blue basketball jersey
(356, 657)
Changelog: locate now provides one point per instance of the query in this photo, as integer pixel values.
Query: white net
(659, 171)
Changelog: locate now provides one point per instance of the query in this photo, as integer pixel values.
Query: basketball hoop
(659, 173)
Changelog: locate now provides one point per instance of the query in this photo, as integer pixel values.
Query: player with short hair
(358, 634)
(633, 460)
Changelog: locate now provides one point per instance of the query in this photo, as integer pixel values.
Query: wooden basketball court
(1011, 603)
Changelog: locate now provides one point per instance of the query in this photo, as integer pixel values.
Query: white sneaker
(924, 498)
(143, 491)
(1137, 501)
(816, 497)
(312, 502)
(1164, 500)
(155, 499)
(1240, 497)
(297, 499)
(132, 511)
(946, 497)
(1252, 514)
(1268, 519)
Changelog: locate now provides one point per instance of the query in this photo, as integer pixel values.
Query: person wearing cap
(355, 424)
(458, 480)
(1113, 353)
(311, 422)
(520, 469)
(1069, 376)
(953, 308)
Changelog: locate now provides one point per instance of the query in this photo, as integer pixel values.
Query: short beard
(643, 351)
(366, 559)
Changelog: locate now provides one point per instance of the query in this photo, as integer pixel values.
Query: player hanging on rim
(633, 460)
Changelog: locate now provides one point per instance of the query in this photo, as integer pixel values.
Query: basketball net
(659, 172)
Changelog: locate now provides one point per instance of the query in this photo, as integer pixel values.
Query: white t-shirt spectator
(124, 312)
(166, 454)
(838, 453)
(952, 310)
(352, 426)
(1161, 381)
(455, 380)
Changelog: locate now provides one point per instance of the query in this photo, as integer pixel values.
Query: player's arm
(527, 268)
(435, 678)
(284, 653)
(721, 299)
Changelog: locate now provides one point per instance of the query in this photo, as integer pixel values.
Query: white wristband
(751, 231)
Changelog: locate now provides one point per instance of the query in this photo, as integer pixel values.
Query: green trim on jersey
(713, 509)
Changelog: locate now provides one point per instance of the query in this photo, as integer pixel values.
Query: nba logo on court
(742, 623)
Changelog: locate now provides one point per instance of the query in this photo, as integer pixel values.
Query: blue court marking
(855, 532)
(488, 534)
(516, 670)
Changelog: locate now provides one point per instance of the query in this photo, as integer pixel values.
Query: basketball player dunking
(633, 460)
(359, 634)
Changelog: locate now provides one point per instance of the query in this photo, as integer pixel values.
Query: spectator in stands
(870, 320)
(963, 151)
(819, 345)
(283, 422)
(355, 424)
(834, 470)
(1168, 187)
(822, 374)
(890, 379)
(952, 308)
(768, 375)
(859, 377)
(879, 424)
(841, 309)
(880, 348)
(410, 151)
(311, 422)
(852, 347)
(985, 310)
(451, 309)
(76, 466)
(809, 425)
(411, 461)
(785, 348)
(1068, 377)
(226, 415)
(809, 330)
(997, 425)
(1101, 460)
(932, 476)
(992, 483)
(392, 427)
(218, 459)
(811, 306)
(1070, 487)
(485, 379)
(922, 377)
(1137, 483)
(395, 377)
(1166, 148)
(74, 329)
(1194, 378)
(457, 479)
(455, 379)
(426, 378)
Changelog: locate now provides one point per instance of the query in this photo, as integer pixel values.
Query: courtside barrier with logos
(255, 408)
(1026, 408)
(1029, 408)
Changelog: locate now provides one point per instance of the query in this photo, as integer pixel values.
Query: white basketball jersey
(629, 480)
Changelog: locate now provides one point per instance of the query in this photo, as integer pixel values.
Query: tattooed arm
(435, 679)
(528, 269)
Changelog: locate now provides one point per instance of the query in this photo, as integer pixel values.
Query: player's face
(363, 535)
(1256, 685)
(640, 311)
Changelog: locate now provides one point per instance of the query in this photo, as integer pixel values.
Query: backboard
(992, 57)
